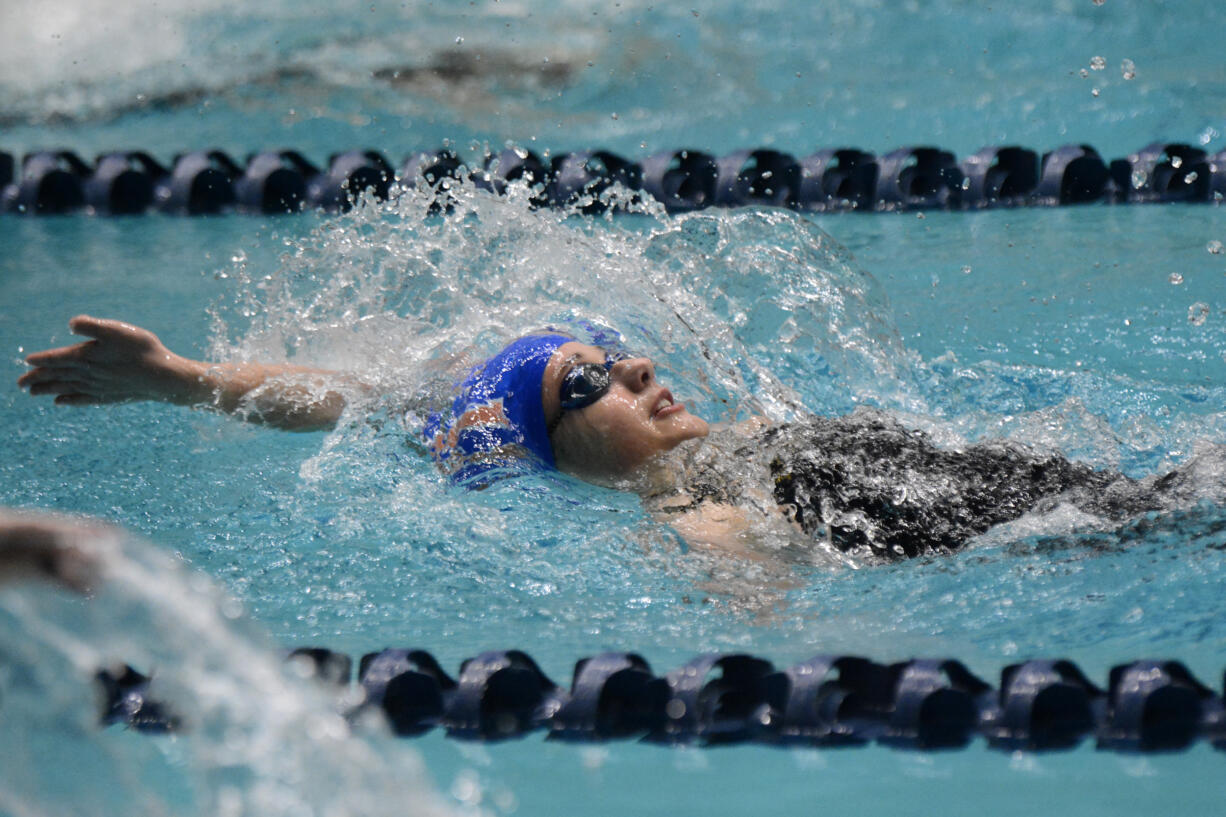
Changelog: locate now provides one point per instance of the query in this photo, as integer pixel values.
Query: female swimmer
(861, 483)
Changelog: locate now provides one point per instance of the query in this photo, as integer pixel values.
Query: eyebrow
(569, 363)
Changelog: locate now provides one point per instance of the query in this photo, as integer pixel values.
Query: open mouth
(665, 405)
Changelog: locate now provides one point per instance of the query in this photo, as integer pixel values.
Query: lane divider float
(909, 178)
(724, 698)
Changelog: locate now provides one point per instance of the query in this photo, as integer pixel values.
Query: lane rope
(722, 698)
(836, 179)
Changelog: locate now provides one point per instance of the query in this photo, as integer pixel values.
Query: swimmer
(861, 484)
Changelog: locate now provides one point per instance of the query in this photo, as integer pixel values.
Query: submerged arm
(124, 363)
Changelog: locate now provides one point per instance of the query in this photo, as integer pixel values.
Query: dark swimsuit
(866, 484)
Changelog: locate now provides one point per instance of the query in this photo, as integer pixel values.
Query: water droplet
(675, 709)
(1176, 162)
(1214, 247)
(1084, 73)
(1099, 2)
(966, 270)
(1176, 279)
(1197, 313)
(1139, 178)
(1094, 92)
(467, 787)
(232, 608)
(614, 114)
(459, 40)
(1128, 69)
(1098, 63)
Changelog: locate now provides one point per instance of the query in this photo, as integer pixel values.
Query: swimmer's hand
(65, 550)
(123, 363)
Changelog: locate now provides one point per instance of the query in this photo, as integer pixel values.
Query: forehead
(569, 354)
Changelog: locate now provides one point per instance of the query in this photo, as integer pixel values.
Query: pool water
(1097, 331)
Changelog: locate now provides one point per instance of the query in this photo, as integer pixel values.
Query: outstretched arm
(123, 363)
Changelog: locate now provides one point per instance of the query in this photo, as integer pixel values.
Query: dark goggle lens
(588, 383)
(585, 385)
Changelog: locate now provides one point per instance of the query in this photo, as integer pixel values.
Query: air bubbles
(1197, 313)
(1098, 63)
(1128, 69)
(1176, 279)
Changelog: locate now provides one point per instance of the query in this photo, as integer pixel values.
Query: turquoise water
(1095, 330)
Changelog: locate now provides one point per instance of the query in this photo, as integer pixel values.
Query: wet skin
(635, 421)
(607, 440)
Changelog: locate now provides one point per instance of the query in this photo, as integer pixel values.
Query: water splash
(256, 741)
(746, 312)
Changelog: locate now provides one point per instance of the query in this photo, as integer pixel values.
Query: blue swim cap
(497, 420)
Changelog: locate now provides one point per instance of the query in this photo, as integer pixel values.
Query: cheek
(624, 434)
(608, 437)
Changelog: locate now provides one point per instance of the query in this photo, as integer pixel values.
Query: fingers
(58, 387)
(102, 329)
(46, 374)
(116, 365)
(67, 389)
(80, 400)
(108, 338)
(65, 356)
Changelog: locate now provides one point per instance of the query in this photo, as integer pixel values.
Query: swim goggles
(587, 383)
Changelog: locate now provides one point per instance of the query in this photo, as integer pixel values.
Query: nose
(636, 373)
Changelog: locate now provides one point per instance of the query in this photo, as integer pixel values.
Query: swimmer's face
(633, 422)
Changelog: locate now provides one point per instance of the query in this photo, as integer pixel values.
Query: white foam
(59, 56)
(256, 739)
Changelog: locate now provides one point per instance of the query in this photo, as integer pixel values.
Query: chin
(690, 426)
